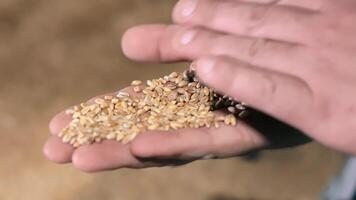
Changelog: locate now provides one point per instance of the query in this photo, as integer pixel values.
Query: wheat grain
(169, 103)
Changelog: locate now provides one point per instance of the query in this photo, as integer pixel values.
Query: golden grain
(168, 103)
(136, 83)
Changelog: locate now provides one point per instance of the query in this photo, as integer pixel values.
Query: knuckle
(268, 86)
(323, 112)
(220, 59)
(164, 43)
(216, 11)
(256, 19)
(252, 17)
(257, 46)
(220, 45)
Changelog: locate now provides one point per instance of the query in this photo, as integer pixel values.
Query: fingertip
(141, 42)
(59, 122)
(205, 68)
(129, 42)
(175, 14)
(141, 146)
(83, 160)
(103, 156)
(55, 150)
(183, 11)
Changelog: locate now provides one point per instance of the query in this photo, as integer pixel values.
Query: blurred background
(57, 53)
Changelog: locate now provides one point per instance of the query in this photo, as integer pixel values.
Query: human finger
(249, 19)
(277, 94)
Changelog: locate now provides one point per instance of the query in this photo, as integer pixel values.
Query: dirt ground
(58, 53)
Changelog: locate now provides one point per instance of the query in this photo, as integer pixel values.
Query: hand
(154, 148)
(292, 59)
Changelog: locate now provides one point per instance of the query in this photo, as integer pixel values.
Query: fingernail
(187, 37)
(187, 7)
(205, 66)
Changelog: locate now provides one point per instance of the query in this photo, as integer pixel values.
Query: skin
(298, 55)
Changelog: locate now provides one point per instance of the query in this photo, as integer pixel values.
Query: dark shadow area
(251, 156)
(279, 134)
